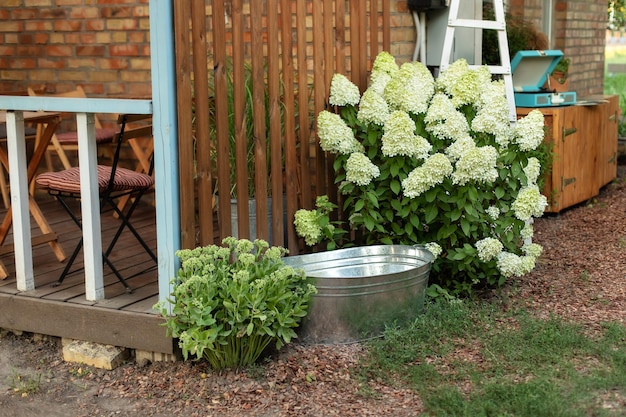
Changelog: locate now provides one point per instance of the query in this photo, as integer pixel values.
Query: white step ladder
(499, 25)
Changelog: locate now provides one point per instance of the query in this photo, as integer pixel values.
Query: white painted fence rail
(87, 158)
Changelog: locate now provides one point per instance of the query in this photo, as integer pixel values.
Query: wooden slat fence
(270, 61)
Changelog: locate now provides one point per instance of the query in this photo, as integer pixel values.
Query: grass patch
(615, 83)
(472, 359)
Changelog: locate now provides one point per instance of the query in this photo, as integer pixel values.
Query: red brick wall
(101, 45)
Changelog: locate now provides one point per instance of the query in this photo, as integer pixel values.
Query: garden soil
(579, 277)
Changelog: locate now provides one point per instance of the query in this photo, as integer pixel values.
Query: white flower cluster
(434, 248)
(343, 92)
(335, 135)
(434, 170)
(307, 226)
(400, 138)
(510, 264)
(478, 164)
(411, 89)
(528, 132)
(529, 203)
(488, 248)
(360, 170)
(373, 108)
(444, 121)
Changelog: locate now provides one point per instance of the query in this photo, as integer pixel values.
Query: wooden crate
(584, 140)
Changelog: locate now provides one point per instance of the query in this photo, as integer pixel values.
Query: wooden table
(21, 175)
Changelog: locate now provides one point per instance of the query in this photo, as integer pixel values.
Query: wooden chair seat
(68, 180)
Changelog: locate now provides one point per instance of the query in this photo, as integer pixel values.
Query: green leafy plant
(560, 71)
(230, 302)
(419, 161)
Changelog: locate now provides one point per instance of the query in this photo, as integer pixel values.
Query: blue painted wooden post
(165, 129)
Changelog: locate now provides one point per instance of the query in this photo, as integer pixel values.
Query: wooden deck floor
(121, 319)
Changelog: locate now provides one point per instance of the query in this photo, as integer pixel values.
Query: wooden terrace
(121, 319)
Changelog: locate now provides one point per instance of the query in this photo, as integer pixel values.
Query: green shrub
(231, 302)
(419, 161)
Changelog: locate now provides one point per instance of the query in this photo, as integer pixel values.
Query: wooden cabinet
(584, 139)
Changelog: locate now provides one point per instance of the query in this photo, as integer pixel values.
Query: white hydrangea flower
(488, 248)
(399, 137)
(385, 62)
(307, 226)
(493, 212)
(528, 132)
(532, 170)
(527, 231)
(529, 203)
(335, 135)
(434, 248)
(373, 108)
(444, 121)
(360, 170)
(463, 84)
(479, 164)
(510, 264)
(343, 92)
(411, 88)
(378, 82)
(532, 249)
(492, 116)
(434, 170)
(459, 148)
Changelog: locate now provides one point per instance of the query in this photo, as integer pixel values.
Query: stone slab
(94, 354)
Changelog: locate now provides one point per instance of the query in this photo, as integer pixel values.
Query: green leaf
(430, 195)
(358, 206)
(465, 226)
(430, 214)
(395, 186)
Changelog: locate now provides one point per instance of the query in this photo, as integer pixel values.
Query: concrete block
(144, 356)
(94, 354)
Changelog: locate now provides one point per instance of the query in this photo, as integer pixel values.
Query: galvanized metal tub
(361, 290)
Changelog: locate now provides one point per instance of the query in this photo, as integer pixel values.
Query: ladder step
(477, 24)
(494, 69)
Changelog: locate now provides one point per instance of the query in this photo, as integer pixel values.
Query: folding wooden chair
(114, 182)
(68, 141)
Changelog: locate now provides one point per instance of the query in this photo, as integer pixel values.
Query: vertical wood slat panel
(221, 115)
(319, 92)
(275, 121)
(240, 122)
(373, 28)
(258, 110)
(203, 140)
(185, 134)
(330, 53)
(386, 26)
(304, 133)
(291, 168)
(330, 67)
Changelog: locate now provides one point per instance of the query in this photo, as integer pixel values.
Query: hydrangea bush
(436, 162)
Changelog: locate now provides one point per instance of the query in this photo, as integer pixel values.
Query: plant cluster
(230, 302)
(419, 161)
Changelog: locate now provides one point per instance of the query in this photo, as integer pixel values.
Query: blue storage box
(530, 70)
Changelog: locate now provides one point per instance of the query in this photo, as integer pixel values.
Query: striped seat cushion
(69, 180)
(102, 136)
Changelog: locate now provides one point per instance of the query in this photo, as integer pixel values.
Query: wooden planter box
(584, 150)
